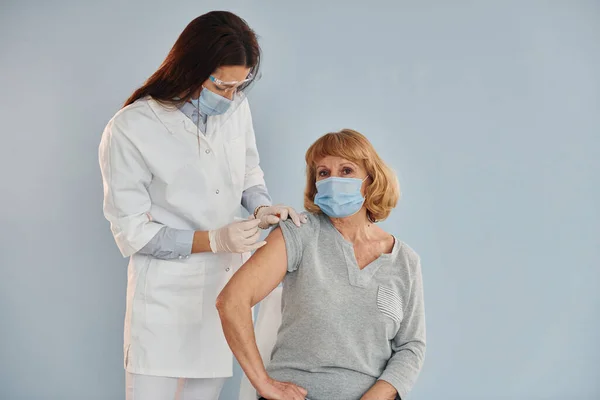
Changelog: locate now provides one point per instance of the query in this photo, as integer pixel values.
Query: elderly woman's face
(331, 166)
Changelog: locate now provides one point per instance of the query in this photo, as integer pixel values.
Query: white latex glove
(272, 215)
(237, 237)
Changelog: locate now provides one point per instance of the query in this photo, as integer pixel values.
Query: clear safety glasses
(233, 86)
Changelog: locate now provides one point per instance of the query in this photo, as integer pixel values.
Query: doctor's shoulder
(133, 121)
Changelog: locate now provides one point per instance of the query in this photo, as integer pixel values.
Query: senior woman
(353, 321)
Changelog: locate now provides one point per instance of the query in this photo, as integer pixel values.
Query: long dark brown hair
(213, 40)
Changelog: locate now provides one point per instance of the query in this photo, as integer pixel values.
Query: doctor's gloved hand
(271, 215)
(237, 237)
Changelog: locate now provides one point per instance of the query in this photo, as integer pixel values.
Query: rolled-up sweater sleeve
(296, 239)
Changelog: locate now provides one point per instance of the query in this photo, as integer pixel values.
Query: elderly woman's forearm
(236, 319)
(381, 390)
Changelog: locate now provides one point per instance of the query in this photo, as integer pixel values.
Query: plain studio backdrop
(489, 112)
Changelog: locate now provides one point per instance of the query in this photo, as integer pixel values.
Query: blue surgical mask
(210, 103)
(339, 197)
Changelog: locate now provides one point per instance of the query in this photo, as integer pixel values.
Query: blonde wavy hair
(383, 191)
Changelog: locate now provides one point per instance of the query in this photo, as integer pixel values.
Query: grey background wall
(489, 112)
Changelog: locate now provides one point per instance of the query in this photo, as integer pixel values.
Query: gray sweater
(344, 328)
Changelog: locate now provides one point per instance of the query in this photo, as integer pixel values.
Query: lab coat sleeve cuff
(132, 240)
(183, 242)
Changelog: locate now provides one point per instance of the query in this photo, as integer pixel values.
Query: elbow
(222, 303)
(416, 349)
(226, 304)
(222, 308)
(419, 352)
(418, 346)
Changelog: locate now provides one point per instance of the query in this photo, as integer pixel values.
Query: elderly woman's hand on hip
(275, 390)
(271, 215)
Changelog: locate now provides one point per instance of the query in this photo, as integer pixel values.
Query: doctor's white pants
(146, 387)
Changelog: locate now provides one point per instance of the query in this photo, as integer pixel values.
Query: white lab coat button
(217, 192)
(207, 151)
(227, 269)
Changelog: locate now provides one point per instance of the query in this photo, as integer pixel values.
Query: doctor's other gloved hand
(271, 215)
(237, 237)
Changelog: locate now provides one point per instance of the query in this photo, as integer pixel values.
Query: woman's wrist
(381, 390)
(201, 243)
(262, 383)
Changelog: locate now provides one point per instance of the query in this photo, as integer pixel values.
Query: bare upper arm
(260, 274)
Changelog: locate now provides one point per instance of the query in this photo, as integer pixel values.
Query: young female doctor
(177, 163)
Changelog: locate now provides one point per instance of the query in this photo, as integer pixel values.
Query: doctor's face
(227, 78)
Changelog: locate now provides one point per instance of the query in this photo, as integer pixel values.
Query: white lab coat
(156, 173)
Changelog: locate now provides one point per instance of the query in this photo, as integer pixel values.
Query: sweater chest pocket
(389, 304)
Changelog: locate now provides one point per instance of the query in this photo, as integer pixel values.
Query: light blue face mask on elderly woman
(340, 197)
